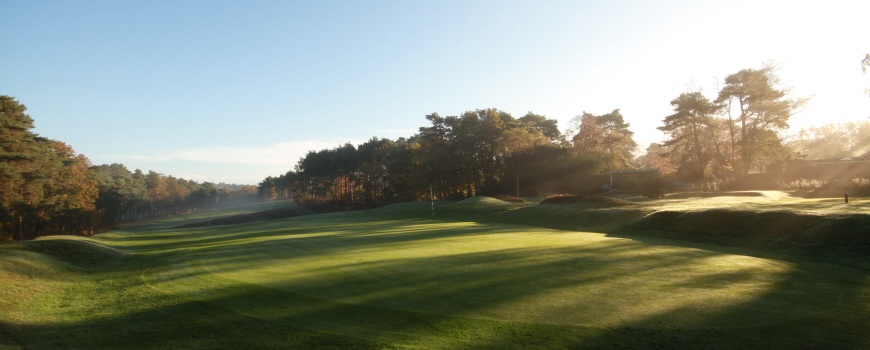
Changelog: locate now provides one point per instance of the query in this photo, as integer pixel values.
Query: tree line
(47, 188)
(484, 151)
(708, 140)
(480, 152)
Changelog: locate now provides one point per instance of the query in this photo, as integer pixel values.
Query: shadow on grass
(459, 299)
(180, 219)
(276, 318)
(408, 300)
(191, 324)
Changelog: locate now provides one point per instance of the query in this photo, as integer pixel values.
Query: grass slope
(395, 278)
(178, 220)
(821, 229)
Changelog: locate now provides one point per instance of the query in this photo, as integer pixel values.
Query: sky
(233, 92)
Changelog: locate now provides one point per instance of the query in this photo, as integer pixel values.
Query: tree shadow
(408, 299)
(586, 295)
(190, 324)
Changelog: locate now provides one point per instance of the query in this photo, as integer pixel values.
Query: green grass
(176, 220)
(478, 277)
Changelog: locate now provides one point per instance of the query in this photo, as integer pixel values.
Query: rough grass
(477, 276)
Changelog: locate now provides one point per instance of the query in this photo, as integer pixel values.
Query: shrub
(632, 185)
(803, 184)
(832, 188)
(650, 186)
(654, 186)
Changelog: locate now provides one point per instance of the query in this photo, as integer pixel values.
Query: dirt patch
(594, 200)
(272, 214)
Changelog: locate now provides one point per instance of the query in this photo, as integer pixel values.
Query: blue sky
(235, 91)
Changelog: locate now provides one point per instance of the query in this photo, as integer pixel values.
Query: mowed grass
(761, 200)
(177, 220)
(395, 278)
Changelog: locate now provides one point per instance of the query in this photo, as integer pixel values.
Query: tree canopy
(480, 152)
(756, 110)
(47, 188)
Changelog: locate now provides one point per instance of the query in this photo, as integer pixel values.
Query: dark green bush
(653, 186)
(631, 185)
(650, 186)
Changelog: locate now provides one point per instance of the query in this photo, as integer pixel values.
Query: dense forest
(716, 141)
(46, 188)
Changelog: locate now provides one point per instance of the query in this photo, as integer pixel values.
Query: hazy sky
(235, 91)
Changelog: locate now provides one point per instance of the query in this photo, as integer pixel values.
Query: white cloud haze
(284, 153)
(403, 132)
(243, 165)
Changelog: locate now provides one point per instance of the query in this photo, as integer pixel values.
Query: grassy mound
(683, 195)
(793, 231)
(272, 214)
(477, 200)
(78, 251)
(594, 200)
(278, 213)
(78, 293)
(52, 256)
(181, 219)
(828, 231)
(508, 198)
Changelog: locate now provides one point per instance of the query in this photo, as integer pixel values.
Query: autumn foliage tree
(47, 188)
(606, 136)
(126, 195)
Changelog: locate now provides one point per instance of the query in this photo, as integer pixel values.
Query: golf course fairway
(367, 280)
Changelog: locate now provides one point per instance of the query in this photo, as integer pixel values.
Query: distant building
(843, 169)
